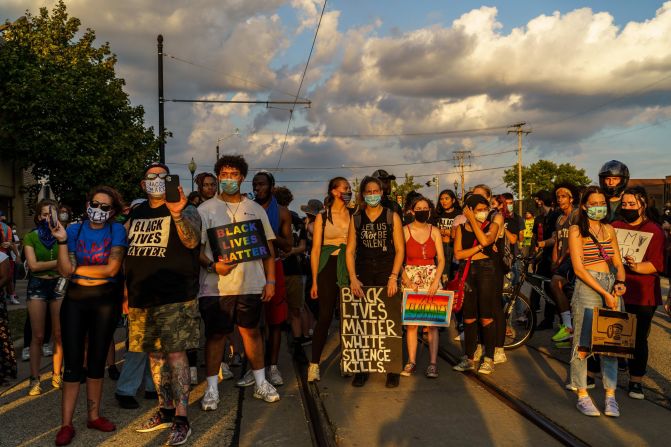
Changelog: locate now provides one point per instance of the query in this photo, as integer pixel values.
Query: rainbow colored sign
(238, 242)
(421, 309)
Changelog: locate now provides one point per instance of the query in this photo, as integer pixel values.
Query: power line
(300, 85)
(617, 134)
(391, 135)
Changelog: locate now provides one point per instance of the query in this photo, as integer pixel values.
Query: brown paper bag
(613, 333)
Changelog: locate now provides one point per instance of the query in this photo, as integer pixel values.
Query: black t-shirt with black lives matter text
(159, 268)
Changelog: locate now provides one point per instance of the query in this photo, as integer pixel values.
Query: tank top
(420, 254)
(159, 268)
(333, 234)
(591, 254)
(468, 240)
(375, 241)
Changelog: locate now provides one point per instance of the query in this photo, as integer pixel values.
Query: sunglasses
(153, 175)
(102, 206)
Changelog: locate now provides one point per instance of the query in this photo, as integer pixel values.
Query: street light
(192, 169)
(236, 133)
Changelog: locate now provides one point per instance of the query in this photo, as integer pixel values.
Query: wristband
(65, 242)
(270, 283)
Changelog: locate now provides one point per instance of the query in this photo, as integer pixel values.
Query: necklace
(233, 212)
(598, 233)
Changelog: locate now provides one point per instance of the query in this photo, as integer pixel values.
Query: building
(19, 192)
(659, 190)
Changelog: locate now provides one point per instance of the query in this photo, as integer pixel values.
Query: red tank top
(420, 254)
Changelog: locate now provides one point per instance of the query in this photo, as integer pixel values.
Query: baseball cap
(383, 175)
(313, 207)
(155, 164)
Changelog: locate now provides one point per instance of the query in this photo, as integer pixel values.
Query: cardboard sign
(238, 242)
(633, 243)
(613, 333)
(421, 309)
(370, 331)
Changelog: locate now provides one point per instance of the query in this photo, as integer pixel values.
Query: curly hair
(283, 195)
(232, 161)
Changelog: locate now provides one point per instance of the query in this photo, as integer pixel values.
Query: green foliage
(64, 113)
(544, 174)
(404, 188)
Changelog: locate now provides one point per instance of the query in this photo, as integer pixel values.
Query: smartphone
(171, 185)
(53, 217)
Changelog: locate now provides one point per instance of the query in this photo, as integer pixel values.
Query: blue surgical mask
(597, 212)
(373, 199)
(229, 186)
(510, 207)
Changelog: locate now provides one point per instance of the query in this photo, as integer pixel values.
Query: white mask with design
(155, 187)
(96, 215)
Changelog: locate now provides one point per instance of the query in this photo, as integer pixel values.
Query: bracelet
(270, 283)
(65, 242)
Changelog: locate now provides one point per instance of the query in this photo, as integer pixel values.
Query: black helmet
(614, 168)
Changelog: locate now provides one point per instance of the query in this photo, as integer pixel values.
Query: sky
(395, 84)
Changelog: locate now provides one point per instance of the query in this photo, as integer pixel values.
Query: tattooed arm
(188, 227)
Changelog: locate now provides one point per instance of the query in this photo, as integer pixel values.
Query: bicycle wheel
(520, 319)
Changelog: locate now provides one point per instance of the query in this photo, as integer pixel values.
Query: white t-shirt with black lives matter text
(247, 277)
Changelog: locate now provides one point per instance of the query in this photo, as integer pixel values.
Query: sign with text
(238, 242)
(423, 310)
(370, 331)
(633, 243)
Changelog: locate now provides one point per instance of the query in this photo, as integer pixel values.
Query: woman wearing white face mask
(90, 254)
(600, 275)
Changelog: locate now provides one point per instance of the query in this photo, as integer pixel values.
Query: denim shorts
(42, 289)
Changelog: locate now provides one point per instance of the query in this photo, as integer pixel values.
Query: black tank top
(375, 241)
(159, 268)
(468, 239)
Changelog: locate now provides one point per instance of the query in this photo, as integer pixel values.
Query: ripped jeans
(582, 307)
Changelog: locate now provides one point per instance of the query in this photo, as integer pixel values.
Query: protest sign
(421, 309)
(238, 242)
(370, 331)
(633, 243)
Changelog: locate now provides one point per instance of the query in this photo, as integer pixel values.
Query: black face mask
(422, 216)
(629, 216)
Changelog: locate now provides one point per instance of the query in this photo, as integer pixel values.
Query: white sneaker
(274, 376)
(313, 373)
(14, 300)
(247, 379)
(266, 392)
(478, 353)
(25, 354)
(193, 372)
(210, 400)
(499, 356)
(47, 351)
(225, 372)
(486, 367)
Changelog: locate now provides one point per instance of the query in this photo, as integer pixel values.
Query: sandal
(408, 369)
(432, 371)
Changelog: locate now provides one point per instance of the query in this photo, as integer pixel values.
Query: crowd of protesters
(155, 261)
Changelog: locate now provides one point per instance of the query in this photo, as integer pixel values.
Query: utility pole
(161, 118)
(462, 159)
(519, 130)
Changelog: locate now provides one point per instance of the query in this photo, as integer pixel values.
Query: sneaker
(101, 424)
(193, 373)
(466, 364)
(313, 373)
(431, 371)
(409, 369)
(562, 334)
(14, 300)
(359, 379)
(392, 380)
(65, 435)
(587, 407)
(486, 367)
(210, 400)
(247, 379)
(156, 422)
(274, 376)
(306, 341)
(568, 344)
(612, 408)
(25, 354)
(477, 355)
(237, 360)
(499, 356)
(636, 390)
(225, 372)
(57, 381)
(179, 433)
(34, 389)
(266, 392)
(47, 351)
(590, 385)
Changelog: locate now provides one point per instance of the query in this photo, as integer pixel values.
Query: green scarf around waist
(327, 250)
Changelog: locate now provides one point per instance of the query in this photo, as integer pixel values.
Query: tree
(63, 112)
(404, 188)
(544, 174)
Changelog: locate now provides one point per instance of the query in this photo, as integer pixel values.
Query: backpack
(389, 218)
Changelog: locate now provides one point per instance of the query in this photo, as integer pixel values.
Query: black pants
(92, 311)
(481, 302)
(329, 294)
(644, 315)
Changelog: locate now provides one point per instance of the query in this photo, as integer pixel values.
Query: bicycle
(519, 316)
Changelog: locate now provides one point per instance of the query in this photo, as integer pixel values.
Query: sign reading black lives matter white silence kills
(238, 242)
(370, 331)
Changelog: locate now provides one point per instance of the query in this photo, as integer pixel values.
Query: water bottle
(61, 285)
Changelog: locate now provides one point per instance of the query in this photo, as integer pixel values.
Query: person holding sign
(475, 240)
(237, 277)
(644, 291)
(600, 275)
(421, 273)
(375, 249)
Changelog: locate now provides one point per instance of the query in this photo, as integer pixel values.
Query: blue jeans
(134, 365)
(582, 307)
